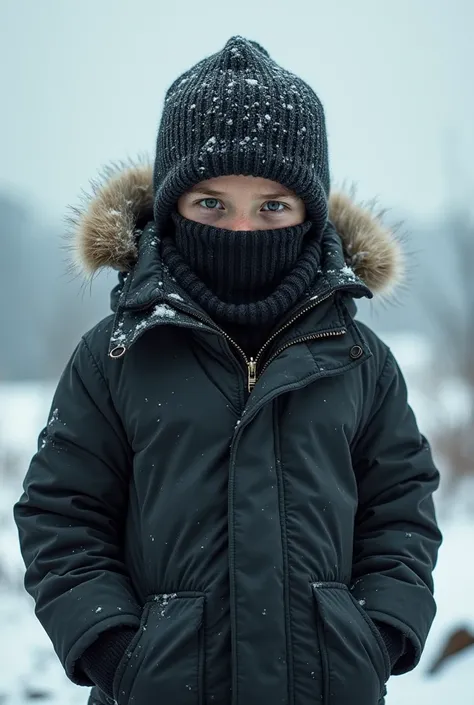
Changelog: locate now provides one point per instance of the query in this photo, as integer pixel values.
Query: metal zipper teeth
(304, 339)
(287, 325)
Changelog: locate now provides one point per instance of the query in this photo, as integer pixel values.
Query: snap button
(356, 352)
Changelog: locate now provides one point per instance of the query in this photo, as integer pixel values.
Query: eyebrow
(268, 196)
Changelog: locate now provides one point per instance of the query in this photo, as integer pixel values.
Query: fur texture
(103, 228)
(372, 250)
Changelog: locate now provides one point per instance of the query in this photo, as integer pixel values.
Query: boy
(231, 502)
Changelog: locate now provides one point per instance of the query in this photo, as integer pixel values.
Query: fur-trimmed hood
(104, 229)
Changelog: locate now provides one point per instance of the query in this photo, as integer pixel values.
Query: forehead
(238, 183)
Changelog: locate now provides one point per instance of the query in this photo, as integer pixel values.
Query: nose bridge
(240, 221)
(240, 216)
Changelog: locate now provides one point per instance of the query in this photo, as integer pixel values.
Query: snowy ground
(29, 669)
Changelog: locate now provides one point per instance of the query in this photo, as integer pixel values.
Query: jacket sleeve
(71, 514)
(396, 536)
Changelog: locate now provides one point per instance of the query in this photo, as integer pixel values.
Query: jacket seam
(239, 396)
(122, 436)
(377, 403)
(94, 362)
(232, 579)
(384, 367)
(284, 540)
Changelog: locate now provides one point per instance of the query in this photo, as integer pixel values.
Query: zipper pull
(252, 377)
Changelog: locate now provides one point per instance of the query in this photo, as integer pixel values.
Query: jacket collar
(149, 296)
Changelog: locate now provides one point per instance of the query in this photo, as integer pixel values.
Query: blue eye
(274, 206)
(210, 203)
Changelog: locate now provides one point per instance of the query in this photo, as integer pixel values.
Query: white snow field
(29, 668)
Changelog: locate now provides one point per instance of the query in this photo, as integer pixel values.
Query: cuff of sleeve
(100, 660)
(394, 641)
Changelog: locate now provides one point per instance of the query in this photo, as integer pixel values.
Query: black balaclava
(238, 112)
(243, 279)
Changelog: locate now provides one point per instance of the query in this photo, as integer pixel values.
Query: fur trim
(103, 228)
(372, 249)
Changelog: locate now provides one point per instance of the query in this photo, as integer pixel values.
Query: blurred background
(82, 85)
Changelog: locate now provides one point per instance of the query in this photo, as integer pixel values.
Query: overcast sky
(82, 83)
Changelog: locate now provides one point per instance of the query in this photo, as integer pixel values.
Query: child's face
(242, 203)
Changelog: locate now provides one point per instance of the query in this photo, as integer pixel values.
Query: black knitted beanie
(238, 112)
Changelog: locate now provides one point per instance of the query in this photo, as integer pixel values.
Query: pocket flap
(166, 661)
(355, 657)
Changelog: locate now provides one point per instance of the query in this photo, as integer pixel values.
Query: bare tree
(453, 315)
(454, 441)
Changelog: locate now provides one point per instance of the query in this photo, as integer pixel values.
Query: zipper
(252, 368)
(252, 374)
(252, 363)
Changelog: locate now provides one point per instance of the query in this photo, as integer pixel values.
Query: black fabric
(346, 652)
(254, 539)
(242, 267)
(245, 278)
(99, 662)
(394, 641)
(239, 112)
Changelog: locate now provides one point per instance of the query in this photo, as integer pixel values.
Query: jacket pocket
(355, 662)
(165, 661)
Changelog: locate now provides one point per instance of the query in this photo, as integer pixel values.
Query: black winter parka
(253, 519)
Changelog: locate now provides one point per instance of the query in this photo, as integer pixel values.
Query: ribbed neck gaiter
(248, 278)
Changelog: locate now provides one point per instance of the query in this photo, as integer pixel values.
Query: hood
(104, 228)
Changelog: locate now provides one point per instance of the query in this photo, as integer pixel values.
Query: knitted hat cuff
(201, 166)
